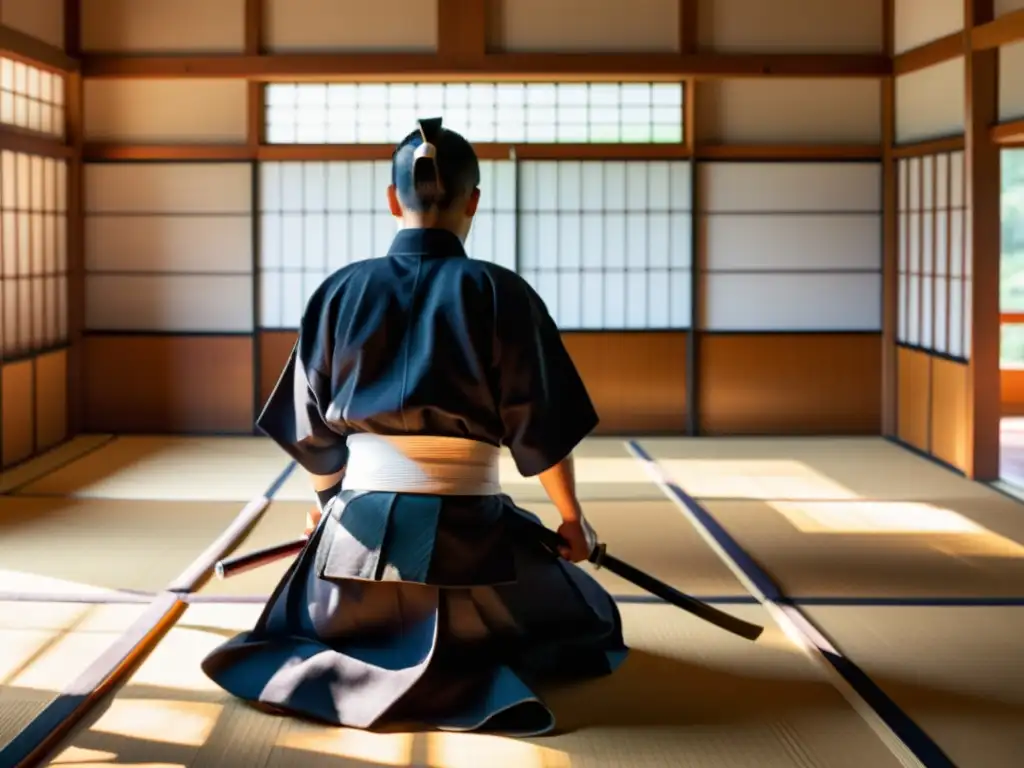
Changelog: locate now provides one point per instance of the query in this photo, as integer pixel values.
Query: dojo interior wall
(933, 317)
(33, 242)
(784, 261)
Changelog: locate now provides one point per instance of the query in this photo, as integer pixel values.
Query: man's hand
(580, 540)
(312, 521)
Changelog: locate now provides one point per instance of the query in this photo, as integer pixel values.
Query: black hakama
(412, 608)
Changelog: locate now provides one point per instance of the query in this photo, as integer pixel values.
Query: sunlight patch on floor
(754, 479)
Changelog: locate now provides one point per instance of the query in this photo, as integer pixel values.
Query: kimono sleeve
(544, 405)
(294, 418)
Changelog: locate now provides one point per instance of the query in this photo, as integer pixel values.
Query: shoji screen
(934, 271)
(168, 248)
(318, 217)
(33, 266)
(607, 244)
(792, 247)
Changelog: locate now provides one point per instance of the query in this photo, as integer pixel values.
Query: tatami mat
(813, 468)
(282, 521)
(65, 453)
(44, 647)
(956, 671)
(651, 535)
(169, 468)
(688, 695)
(851, 549)
(53, 545)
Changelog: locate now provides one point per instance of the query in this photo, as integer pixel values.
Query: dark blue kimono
(440, 610)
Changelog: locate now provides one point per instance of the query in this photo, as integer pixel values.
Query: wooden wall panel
(790, 384)
(16, 417)
(636, 380)
(170, 384)
(316, 26)
(918, 22)
(930, 103)
(42, 19)
(913, 373)
(790, 26)
(585, 26)
(163, 26)
(274, 348)
(948, 416)
(1011, 382)
(1011, 82)
(751, 111)
(51, 399)
(1002, 7)
(166, 111)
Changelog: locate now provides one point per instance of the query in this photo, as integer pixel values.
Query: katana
(599, 558)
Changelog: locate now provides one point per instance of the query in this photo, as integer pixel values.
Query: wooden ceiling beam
(510, 66)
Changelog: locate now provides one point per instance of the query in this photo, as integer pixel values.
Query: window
(506, 113)
(606, 244)
(31, 98)
(33, 242)
(934, 261)
(1011, 286)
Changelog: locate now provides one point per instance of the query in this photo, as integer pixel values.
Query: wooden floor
(916, 576)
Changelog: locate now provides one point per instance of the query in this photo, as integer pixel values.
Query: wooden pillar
(982, 225)
(74, 101)
(890, 234)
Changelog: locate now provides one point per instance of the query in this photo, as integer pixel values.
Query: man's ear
(393, 204)
(473, 202)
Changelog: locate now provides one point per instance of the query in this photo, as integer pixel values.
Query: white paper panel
(956, 180)
(941, 340)
(168, 244)
(914, 242)
(164, 26)
(42, 19)
(904, 289)
(956, 243)
(790, 187)
(206, 188)
(930, 102)
(921, 21)
(166, 111)
(748, 111)
(942, 182)
(1011, 84)
(790, 26)
(957, 321)
(903, 182)
(914, 310)
(484, 112)
(350, 25)
(794, 302)
(942, 242)
(585, 26)
(793, 242)
(914, 196)
(927, 311)
(605, 186)
(928, 243)
(615, 299)
(177, 303)
(903, 247)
